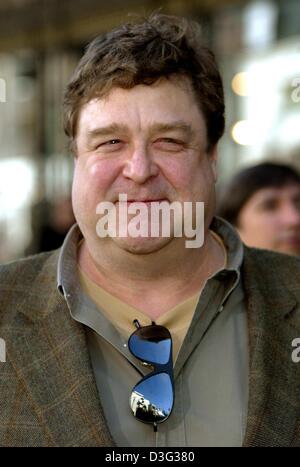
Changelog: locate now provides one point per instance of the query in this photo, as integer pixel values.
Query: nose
(140, 166)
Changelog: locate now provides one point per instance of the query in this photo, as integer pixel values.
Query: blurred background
(257, 44)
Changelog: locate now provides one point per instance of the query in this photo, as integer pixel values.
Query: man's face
(148, 142)
(271, 219)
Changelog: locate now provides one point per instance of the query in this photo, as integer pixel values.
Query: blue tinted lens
(152, 344)
(152, 399)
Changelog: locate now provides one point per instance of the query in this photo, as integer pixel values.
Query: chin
(142, 245)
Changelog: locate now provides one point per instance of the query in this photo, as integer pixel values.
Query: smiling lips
(146, 201)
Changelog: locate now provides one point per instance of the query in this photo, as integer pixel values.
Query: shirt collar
(232, 242)
(67, 262)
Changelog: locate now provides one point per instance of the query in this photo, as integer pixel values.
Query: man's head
(144, 112)
(263, 202)
(143, 53)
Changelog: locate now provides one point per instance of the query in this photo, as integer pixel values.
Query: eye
(169, 140)
(111, 142)
(269, 205)
(169, 144)
(109, 145)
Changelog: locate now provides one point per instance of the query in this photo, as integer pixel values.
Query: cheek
(91, 185)
(177, 175)
(102, 174)
(181, 174)
(199, 180)
(259, 224)
(94, 178)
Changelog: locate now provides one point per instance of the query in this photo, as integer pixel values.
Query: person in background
(53, 232)
(50, 222)
(263, 203)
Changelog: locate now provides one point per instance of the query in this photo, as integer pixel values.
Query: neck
(154, 281)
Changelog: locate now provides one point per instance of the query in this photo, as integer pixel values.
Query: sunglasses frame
(158, 368)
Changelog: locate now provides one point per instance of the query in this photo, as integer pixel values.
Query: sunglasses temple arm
(137, 323)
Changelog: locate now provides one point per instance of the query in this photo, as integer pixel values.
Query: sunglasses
(152, 399)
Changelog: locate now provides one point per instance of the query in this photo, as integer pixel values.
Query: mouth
(147, 201)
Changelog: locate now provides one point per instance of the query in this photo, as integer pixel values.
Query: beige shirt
(211, 368)
(177, 319)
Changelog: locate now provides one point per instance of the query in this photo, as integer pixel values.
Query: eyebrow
(106, 130)
(154, 129)
(174, 126)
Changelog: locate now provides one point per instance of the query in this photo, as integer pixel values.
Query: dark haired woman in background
(263, 203)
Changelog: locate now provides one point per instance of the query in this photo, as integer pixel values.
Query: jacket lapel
(274, 378)
(49, 353)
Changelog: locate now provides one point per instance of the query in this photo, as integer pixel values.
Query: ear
(213, 157)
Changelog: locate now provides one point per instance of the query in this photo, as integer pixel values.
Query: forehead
(163, 101)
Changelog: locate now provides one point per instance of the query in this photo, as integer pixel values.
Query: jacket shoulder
(26, 261)
(276, 270)
(24, 270)
(264, 257)
(26, 281)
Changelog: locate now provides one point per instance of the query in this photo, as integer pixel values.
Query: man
(144, 112)
(263, 203)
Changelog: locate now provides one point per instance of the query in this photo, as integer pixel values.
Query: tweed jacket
(48, 394)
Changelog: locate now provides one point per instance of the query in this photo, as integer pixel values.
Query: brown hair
(142, 53)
